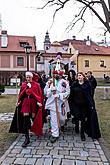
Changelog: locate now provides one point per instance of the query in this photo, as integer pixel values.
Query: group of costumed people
(61, 98)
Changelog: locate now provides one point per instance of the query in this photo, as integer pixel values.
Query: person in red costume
(29, 106)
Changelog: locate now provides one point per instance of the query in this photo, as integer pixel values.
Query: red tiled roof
(14, 43)
(93, 49)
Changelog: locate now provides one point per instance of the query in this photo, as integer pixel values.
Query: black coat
(92, 125)
(93, 84)
(17, 122)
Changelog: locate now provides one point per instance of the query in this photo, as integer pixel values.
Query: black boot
(27, 141)
(26, 126)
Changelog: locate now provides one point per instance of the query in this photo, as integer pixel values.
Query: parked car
(2, 89)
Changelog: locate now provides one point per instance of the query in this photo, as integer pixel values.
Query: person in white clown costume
(60, 91)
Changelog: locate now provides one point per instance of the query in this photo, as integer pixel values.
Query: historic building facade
(13, 59)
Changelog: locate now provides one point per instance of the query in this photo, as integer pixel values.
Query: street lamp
(27, 51)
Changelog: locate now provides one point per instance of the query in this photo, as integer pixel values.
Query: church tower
(47, 41)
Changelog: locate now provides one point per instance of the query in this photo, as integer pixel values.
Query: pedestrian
(57, 102)
(71, 78)
(83, 107)
(93, 81)
(28, 113)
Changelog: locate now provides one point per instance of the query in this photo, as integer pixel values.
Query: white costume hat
(29, 74)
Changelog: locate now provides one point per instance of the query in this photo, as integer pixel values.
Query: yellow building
(88, 56)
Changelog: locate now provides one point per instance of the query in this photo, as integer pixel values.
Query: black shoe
(83, 137)
(26, 142)
(53, 139)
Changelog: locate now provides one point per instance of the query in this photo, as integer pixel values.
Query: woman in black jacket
(83, 108)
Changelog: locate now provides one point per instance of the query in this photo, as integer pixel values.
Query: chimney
(88, 42)
(74, 37)
(4, 39)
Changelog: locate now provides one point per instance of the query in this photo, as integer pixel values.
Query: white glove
(39, 104)
(29, 85)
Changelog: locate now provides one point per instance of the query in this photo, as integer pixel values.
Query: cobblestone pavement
(68, 150)
(6, 117)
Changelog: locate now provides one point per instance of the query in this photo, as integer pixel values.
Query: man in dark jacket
(92, 81)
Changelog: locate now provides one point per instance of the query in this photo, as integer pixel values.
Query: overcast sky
(19, 17)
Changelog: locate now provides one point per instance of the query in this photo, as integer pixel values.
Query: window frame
(20, 64)
(87, 63)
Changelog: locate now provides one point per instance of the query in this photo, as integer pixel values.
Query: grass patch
(103, 109)
(6, 139)
(7, 103)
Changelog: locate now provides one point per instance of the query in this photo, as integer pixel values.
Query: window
(23, 43)
(86, 63)
(20, 61)
(101, 63)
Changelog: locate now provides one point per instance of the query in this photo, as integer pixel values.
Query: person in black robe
(83, 108)
(93, 82)
(71, 79)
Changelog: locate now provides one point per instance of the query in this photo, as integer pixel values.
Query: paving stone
(79, 145)
(26, 151)
(68, 162)
(98, 147)
(8, 160)
(94, 153)
(89, 145)
(63, 144)
(103, 158)
(79, 162)
(40, 161)
(20, 161)
(56, 162)
(63, 152)
(20, 155)
(12, 155)
(83, 153)
(16, 151)
(92, 163)
(30, 161)
(54, 152)
(43, 152)
(48, 161)
(94, 159)
(75, 153)
(101, 152)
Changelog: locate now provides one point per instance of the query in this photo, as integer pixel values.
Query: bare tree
(86, 4)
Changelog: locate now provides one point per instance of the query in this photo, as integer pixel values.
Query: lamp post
(27, 51)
